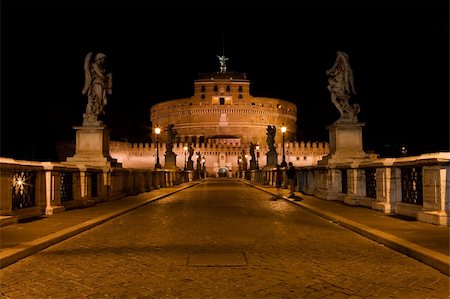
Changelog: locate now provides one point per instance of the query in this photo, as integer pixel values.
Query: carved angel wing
(87, 72)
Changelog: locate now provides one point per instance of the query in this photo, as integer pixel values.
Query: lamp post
(257, 157)
(283, 163)
(185, 150)
(157, 132)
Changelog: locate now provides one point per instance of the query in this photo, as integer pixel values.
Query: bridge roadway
(220, 239)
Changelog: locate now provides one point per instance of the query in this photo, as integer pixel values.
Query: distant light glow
(283, 129)
(157, 130)
(185, 148)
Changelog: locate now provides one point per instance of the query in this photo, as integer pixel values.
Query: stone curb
(429, 257)
(14, 254)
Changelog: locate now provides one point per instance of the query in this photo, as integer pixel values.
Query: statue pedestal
(272, 159)
(190, 165)
(346, 147)
(92, 147)
(170, 160)
(346, 144)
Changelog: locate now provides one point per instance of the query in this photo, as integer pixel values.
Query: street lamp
(185, 150)
(157, 132)
(283, 163)
(257, 156)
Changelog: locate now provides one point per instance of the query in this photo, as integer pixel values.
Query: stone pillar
(5, 192)
(328, 184)
(436, 195)
(81, 188)
(52, 190)
(106, 183)
(388, 189)
(310, 182)
(155, 180)
(356, 186)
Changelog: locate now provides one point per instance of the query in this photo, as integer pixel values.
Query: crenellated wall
(217, 153)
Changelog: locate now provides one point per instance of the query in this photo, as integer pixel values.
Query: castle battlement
(179, 147)
(143, 155)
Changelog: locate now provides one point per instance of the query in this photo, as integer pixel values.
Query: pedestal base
(272, 159)
(326, 194)
(346, 144)
(170, 161)
(434, 217)
(54, 210)
(92, 147)
(384, 207)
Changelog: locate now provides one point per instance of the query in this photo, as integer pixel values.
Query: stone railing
(30, 189)
(417, 186)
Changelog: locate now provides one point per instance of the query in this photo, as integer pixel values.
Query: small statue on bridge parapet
(199, 159)
(244, 160)
(252, 154)
(272, 156)
(171, 138)
(271, 132)
(190, 163)
(340, 85)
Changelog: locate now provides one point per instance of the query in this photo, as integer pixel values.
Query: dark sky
(398, 50)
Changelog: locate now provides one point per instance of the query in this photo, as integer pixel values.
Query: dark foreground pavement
(425, 242)
(23, 239)
(220, 239)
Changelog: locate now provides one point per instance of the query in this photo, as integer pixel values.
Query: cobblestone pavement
(220, 239)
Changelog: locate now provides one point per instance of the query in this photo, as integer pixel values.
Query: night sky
(398, 50)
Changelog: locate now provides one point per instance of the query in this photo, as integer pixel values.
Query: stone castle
(220, 121)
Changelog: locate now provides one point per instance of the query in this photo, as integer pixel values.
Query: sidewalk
(23, 239)
(425, 242)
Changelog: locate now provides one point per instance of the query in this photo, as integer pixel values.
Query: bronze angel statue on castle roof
(97, 87)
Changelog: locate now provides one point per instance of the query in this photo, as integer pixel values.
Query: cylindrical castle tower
(222, 107)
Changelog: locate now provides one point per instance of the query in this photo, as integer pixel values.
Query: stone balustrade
(417, 186)
(30, 189)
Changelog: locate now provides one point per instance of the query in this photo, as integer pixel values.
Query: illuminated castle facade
(222, 106)
(220, 120)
